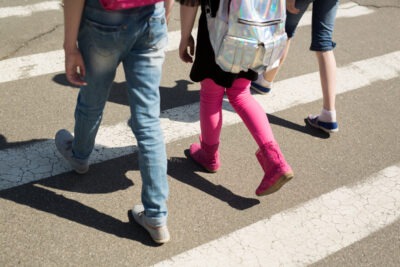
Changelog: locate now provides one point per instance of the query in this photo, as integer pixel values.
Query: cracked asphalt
(50, 216)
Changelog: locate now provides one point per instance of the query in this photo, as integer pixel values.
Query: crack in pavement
(26, 43)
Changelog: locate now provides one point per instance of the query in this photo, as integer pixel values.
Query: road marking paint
(51, 62)
(309, 232)
(17, 68)
(27, 10)
(40, 160)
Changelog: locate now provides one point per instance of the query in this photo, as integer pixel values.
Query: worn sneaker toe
(63, 140)
(159, 234)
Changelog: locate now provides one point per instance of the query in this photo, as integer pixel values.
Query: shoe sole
(281, 181)
(328, 131)
(187, 153)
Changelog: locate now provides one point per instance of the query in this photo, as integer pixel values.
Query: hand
(186, 49)
(291, 6)
(75, 67)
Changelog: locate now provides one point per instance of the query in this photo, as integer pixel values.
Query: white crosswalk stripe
(27, 10)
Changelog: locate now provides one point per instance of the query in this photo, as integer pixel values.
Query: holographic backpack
(247, 34)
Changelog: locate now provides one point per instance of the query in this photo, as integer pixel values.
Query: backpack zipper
(259, 23)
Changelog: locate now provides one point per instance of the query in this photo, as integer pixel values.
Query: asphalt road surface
(341, 209)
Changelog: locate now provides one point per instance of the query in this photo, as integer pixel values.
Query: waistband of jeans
(95, 4)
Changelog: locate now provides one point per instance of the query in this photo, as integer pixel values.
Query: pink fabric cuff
(126, 4)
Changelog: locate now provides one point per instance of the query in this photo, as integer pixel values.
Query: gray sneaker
(160, 234)
(64, 146)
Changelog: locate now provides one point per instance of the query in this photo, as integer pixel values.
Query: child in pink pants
(214, 84)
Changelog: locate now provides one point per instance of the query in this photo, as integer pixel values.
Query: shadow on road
(307, 129)
(103, 178)
(178, 169)
(4, 144)
(171, 97)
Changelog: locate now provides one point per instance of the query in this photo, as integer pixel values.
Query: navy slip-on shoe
(329, 127)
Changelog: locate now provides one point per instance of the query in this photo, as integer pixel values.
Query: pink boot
(277, 170)
(205, 155)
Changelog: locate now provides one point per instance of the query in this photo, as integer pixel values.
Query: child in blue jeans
(99, 35)
(323, 19)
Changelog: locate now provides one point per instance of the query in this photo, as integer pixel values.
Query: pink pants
(252, 114)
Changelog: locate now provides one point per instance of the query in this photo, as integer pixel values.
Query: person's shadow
(178, 169)
(4, 144)
(176, 96)
(40, 196)
(306, 128)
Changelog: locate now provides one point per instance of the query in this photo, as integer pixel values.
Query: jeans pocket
(104, 38)
(157, 34)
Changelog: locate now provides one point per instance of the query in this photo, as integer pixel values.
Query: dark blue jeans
(323, 21)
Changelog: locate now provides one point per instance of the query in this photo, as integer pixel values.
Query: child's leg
(276, 170)
(323, 22)
(211, 96)
(250, 111)
(206, 153)
(264, 83)
(327, 71)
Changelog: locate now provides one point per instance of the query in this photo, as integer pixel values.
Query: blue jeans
(137, 38)
(323, 21)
